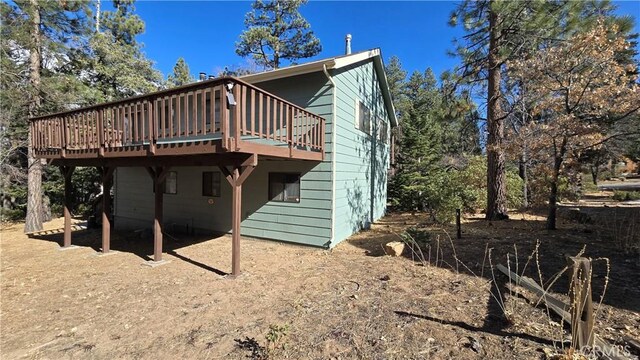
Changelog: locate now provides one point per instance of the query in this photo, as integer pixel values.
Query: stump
(581, 304)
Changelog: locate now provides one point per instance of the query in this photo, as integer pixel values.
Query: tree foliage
(68, 62)
(277, 31)
(437, 134)
(579, 91)
(115, 63)
(181, 74)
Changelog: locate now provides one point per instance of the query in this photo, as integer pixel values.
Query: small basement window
(211, 183)
(284, 187)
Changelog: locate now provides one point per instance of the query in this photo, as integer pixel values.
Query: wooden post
(157, 221)
(158, 175)
(581, 304)
(458, 228)
(107, 181)
(236, 178)
(236, 214)
(67, 171)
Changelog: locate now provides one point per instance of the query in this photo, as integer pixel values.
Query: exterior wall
(361, 159)
(334, 203)
(307, 222)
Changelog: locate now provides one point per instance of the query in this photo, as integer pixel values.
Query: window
(284, 187)
(171, 183)
(383, 131)
(363, 117)
(211, 183)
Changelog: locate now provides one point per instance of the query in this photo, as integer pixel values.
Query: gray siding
(361, 159)
(307, 222)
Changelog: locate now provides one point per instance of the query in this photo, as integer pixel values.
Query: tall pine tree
(37, 36)
(277, 31)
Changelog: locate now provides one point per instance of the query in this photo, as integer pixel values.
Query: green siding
(360, 179)
(307, 222)
(362, 160)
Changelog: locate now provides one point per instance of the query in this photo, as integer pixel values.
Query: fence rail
(225, 108)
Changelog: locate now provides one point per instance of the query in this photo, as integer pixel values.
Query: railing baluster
(290, 127)
(237, 116)
(92, 126)
(252, 113)
(243, 104)
(128, 124)
(144, 112)
(163, 119)
(87, 134)
(183, 121)
(268, 112)
(74, 120)
(280, 110)
(94, 129)
(305, 122)
(203, 108)
(87, 117)
(224, 119)
(260, 115)
(212, 113)
(109, 128)
(136, 108)
(171, 116)
(314, 133)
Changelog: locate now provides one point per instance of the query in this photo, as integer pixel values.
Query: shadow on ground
(137, 244)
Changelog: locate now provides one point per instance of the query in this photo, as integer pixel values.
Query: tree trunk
(553, 194)
(524, 175)
(98, 5)
(594, 174)
(33, 220)
(553, 198)
(496, 179)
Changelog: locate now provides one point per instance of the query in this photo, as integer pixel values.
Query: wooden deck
(223, 115)
(223, 122)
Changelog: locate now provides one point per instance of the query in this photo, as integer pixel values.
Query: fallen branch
(560, 308)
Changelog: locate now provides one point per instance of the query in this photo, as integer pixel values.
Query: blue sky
(205, 32)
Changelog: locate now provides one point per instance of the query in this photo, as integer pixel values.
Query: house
(305, 149)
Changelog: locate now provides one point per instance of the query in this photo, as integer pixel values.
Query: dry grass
(346, 303)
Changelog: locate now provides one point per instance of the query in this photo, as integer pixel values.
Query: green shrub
(620, 195)
(440, 191)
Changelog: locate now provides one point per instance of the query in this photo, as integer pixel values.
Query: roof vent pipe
(347, 49)
(202, 76)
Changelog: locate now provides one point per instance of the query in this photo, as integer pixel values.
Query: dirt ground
(298, 302)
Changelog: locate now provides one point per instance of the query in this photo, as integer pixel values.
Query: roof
(333, 63)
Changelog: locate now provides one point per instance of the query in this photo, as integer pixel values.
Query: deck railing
(225, 108)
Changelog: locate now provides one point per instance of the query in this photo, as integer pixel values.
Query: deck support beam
(236, 177)
(158, 175)
(67, 172)
(107, 182)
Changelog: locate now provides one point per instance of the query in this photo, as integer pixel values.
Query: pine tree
(181, 74)
(46, 31)
(497, 31)
(275, 31)
(116, 63)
